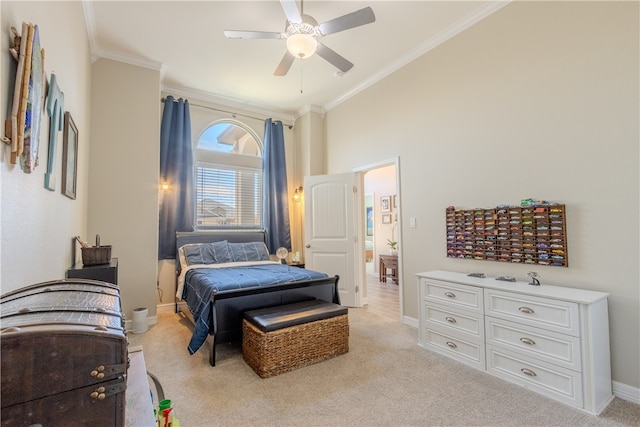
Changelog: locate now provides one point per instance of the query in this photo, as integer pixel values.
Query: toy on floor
(165, 415)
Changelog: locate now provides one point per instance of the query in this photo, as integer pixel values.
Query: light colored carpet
(386, 379)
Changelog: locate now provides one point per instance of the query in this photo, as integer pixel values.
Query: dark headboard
(234, 236)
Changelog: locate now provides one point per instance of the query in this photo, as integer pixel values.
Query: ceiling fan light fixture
(302, 45)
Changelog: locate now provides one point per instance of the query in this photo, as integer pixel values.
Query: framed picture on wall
(385, 204)
(386, 219)
(369, 221)
(69, 157)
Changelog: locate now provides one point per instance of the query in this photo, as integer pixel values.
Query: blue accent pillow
(207, 253)
(249, 251)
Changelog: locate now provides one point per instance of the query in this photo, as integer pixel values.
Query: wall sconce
(165, 187)
(297, 195)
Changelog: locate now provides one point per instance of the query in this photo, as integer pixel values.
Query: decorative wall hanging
(22, 129)
(69, 157)
(534, 233)
(55, 107)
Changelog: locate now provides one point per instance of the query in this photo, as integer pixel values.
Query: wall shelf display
(534, 234)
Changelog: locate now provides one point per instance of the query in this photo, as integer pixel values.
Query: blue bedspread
(201, 283)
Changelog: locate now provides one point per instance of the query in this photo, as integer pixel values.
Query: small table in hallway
(388, 262)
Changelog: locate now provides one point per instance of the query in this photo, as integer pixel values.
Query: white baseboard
(166, 308)
(626, 392)
(152, 320)
(128, 324)
(411, 321)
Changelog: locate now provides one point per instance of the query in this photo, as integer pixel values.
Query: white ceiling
(185, 40)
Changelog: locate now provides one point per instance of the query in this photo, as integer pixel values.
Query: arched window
(228, 177)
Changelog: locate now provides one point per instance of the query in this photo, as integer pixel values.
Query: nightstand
(297, 264)
(103, 272)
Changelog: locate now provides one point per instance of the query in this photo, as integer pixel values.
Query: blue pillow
(249, 251)
(207, 253)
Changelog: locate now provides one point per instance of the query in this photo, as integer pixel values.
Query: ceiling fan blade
(334, 58)
(291, 10)
(285, 64)
(233, 34)
(350, 20)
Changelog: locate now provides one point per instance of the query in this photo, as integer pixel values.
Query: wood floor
(383, 298)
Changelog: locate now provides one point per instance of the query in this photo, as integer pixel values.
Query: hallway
(383, 298)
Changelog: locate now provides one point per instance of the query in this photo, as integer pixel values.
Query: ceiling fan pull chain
(300, 76)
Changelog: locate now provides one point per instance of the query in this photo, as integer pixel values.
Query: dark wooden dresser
(388, 268)
(64, 355)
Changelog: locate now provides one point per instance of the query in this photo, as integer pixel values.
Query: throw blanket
(200, 282)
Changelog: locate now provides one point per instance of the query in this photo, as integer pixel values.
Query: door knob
(307, 246)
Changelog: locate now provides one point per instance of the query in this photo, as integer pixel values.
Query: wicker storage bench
(287, 337)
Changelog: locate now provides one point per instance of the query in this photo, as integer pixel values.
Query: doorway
(382, 286)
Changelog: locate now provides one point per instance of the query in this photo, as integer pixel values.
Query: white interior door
(330, 237)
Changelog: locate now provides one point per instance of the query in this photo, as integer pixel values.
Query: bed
(222, 274)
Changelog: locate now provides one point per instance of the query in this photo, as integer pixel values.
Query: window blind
(228, 197)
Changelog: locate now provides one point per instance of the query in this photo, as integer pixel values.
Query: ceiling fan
(302, 33)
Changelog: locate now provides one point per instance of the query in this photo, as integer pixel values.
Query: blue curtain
(177, 206)
(274, 183)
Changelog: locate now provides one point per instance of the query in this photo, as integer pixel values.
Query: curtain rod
(233, 113)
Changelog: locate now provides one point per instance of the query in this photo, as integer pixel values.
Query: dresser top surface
(580, 296)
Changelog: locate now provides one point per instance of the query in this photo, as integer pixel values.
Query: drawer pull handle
(528, 372)
(451, 344)
(450, 319)
(450, 294)
(528, 341)
(526, 310)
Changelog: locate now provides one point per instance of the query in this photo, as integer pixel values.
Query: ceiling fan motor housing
(301, 37)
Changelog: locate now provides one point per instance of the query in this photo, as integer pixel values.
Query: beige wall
(538, 100)
(38, 225)
(123, 175)
(309, 159)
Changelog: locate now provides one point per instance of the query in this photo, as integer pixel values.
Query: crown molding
(310, 108)
(435, 41)
(132, 60)
(230, 103)
(90, 25)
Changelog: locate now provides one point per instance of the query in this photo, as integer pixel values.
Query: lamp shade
(301, 45)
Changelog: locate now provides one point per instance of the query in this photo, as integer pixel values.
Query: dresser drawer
(465, 351)
(558, 349)
(553, 381)
(453, 295)
(449, 319)
(549, 314)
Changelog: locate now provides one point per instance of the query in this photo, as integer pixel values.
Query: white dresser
(550, 339)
